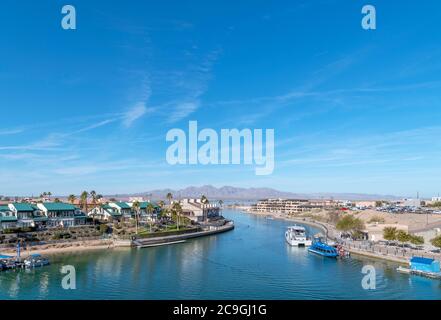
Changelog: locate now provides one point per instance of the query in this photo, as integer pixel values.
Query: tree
(57, 200)
(204, 199)
(83, 200)
(378, 203)
(150, 209)
(177, 209)
(351, 224)
(169, 197)
(136, 206)
(49, 194)
(417, 240)
(403, 236)
(72, 198)
(436, 241)
(390, 233)
(93, 195)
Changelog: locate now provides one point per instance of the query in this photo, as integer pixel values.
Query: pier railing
(384, 250)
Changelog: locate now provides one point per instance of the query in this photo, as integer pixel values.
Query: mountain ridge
(239, 193)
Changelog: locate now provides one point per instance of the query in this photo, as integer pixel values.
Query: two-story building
(7, 218)
(122, 208)
(61, 214)
(24, 212)
(105, 212)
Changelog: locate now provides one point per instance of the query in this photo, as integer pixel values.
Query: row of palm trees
(46, 194)
(136, 206)
(83, 198)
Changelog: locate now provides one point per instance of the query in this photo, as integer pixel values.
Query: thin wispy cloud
(136, 112)
(6, 132)
(182, 111)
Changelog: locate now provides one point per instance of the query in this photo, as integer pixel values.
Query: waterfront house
(123, 208)
(424, 264)
(105, 212)
(62, 214)
(197, 211)
(7, 218)
(24, 213)
(143, 212)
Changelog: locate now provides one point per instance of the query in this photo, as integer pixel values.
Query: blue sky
(353, 110)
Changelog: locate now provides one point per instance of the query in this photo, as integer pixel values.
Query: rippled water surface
(251, 262)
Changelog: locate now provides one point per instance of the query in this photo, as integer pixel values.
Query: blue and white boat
(323, 249)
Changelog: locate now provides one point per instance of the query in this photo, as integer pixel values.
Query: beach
(51, 249)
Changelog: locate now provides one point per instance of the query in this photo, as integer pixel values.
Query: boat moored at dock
(35, 261)
(322, 248)
(296, 236)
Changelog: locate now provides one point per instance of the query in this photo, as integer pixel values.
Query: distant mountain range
(234, 193)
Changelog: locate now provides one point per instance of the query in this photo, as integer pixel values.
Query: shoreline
(329, 231)
(105, 244)
(73, 247)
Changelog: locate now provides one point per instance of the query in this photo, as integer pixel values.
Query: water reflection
(251, 262)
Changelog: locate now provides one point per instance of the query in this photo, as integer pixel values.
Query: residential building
(285, 206)
(7, 218)
(105, 212)
(123, 208)
(197, 211)
(24, 213)
(62, 214)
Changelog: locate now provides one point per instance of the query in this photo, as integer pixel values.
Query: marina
(253, 261)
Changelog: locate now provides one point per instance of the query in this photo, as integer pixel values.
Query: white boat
(296, 236)
(35, 260)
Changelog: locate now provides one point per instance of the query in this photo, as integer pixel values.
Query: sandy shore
(65, 247)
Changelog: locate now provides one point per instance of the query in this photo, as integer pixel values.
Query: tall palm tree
(150, 209)
(136, 206)
(93, 196)
(72, 198)
(178, 210)
(204, 199)
(49, 194)
(221, 203)
(83, 200)
(169, 197)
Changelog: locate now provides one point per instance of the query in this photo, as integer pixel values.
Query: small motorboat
(35, 261)
(296, 236)
(322, 248)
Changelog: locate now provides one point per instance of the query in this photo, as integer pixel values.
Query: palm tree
(178, 210)
(83, 200)
(72, 198)
(49, 194)
(169, 197)
(221, 203)
(150, 209)
(136, 206)
(204, 199)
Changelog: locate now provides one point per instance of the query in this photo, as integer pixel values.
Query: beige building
(197, 211)
(286, 205)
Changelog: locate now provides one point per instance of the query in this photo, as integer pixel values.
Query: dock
(431, 275)
(166, 240)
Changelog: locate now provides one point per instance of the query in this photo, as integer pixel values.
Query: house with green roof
(105, 212)
(122, 208)
(62, 214)
(24, 212)
(144, 211)
(7, 218)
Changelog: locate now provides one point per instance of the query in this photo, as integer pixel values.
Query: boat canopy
(5, 257)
